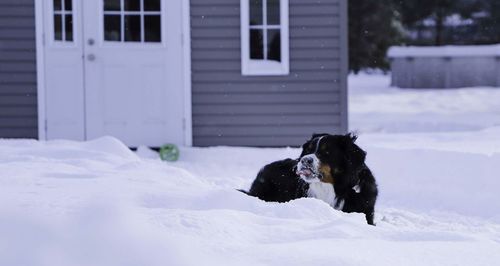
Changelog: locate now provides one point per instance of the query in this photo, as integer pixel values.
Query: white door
(63, 65)
(130, 70)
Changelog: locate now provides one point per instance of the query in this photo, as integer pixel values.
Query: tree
(373, 28)
(487, 18)
(414, 12)
(375, 25)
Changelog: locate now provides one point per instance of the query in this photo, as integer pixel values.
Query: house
(445, 66)
(149, 72)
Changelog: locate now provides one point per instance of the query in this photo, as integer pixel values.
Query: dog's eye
(325, 150)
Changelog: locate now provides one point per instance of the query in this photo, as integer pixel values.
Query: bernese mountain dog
(331, 168)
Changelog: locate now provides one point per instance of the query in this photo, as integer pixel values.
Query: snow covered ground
(375, 107)
(98, 203)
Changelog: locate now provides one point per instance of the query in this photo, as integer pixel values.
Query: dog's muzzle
(308, 168)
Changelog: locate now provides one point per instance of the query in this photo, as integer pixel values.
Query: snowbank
(444, 51)
(374, 107)
(96, 203)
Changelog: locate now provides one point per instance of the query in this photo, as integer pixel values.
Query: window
(132, 20)
(264, 37)
(63, 20)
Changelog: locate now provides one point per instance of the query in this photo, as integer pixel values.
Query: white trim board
(186, 43)
(40, 73)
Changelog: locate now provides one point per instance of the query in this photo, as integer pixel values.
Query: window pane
(152, 27)
(68, 5)
(57, 4)
(69, 27)
(273, 12)
(132, 5)
(255, 12)
(152, 5)
(112, 28)
(57, 27)
(111, 5)
(274, 45)
(256, 44)
(132, 28)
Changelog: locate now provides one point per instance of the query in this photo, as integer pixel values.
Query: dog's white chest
(324, 192)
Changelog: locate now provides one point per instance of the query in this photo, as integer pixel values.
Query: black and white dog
(331, 168)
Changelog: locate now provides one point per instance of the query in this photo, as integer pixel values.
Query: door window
(63, 20)
(132, 21)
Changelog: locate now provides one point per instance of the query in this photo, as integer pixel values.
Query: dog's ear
(351, 136)
(354, 155)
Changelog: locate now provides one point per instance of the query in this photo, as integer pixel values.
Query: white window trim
(251, 67)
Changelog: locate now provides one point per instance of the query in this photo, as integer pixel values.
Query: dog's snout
(306, 160)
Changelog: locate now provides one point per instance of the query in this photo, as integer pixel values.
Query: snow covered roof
(444, 51)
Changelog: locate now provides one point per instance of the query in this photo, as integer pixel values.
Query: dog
(331, 168)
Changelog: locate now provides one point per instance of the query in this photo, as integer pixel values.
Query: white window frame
(252, 67)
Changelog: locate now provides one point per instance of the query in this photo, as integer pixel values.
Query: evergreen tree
(414, 12)
(375, 25)
(372, 30)
(488, 21)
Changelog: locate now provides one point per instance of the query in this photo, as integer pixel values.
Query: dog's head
(334, 159)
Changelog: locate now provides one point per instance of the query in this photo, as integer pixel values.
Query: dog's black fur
(351, 179)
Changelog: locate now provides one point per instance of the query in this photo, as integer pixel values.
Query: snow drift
(97, 203)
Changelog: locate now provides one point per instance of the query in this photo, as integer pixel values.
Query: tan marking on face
(326, 172)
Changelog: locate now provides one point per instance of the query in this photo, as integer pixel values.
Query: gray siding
(18, 99)
(231, 109)
(445, 72)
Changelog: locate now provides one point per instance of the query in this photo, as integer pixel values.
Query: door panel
(133, 84)
(63, 71)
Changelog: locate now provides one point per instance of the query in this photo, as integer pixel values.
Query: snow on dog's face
(325, 158)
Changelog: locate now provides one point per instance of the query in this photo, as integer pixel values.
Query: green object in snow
(169, 152)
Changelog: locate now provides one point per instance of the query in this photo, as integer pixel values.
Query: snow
(444, 51)
(374, 106)
(98, 203)
(454, 20)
